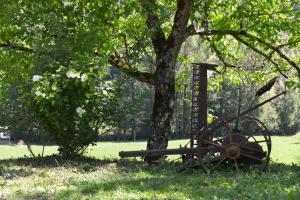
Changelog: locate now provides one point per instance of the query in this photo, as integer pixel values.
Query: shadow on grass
(12, 172)
(297, 143)
(133, 177)
(38, 196)
(280, 180)
(58, 161)
(23, 167)
(90, 163)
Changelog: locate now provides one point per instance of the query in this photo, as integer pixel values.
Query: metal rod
(162, 152)
(229, 120)
(239, 109)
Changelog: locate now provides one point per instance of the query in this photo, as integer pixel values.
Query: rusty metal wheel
(249, 145)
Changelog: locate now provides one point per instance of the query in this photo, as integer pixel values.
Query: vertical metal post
(203, 97)
(238, 110)
(199, 100)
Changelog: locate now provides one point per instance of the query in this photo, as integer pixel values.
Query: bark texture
(163, 79)
(167, 51)
(163, 107)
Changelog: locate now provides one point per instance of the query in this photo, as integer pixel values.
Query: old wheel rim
(242, 148)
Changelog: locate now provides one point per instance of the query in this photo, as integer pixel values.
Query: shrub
(72, 104)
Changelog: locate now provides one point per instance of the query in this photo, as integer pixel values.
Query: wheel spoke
(254, 139)
(236, 165)
(218, 163)
(212, 143)
(230, 138)
(260, 141)
(210, 160)
(250, 149)
(245, 140)
(249, 156)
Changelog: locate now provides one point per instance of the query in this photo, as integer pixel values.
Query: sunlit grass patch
(285, 149)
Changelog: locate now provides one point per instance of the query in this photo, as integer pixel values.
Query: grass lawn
(285, 149)
(107, 177)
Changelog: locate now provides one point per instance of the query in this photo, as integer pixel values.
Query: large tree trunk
(167, 51)
(163, 106)
(163, 80)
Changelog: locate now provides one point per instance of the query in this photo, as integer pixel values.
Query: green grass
(285, 149)
(110, 178)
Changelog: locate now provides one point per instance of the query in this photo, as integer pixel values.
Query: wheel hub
(236, 146)
(232, 151)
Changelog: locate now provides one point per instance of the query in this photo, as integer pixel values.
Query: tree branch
(203, 32)
(116, 60)
(276, 49)
(262, 54)
(283, 45)
(237, 35)
(154, 26)
(8, 45)
(288, 43)
(180, 21)
(219, 55)
(125, 43)
(226, 64)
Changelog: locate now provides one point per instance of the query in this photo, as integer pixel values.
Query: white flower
(83, 77)
(67, 3)
(36, 78)
(108, 83)
(105, 92)
(71, 74)
(38, 93)
(80, 110)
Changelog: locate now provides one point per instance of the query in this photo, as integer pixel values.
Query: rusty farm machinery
(238, 141)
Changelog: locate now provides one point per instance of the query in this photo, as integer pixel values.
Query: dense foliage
(59, 79)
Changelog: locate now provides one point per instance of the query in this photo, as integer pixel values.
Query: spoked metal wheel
(247, 146)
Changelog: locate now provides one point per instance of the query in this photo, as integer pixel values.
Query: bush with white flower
(36, 78)
(72, 105)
